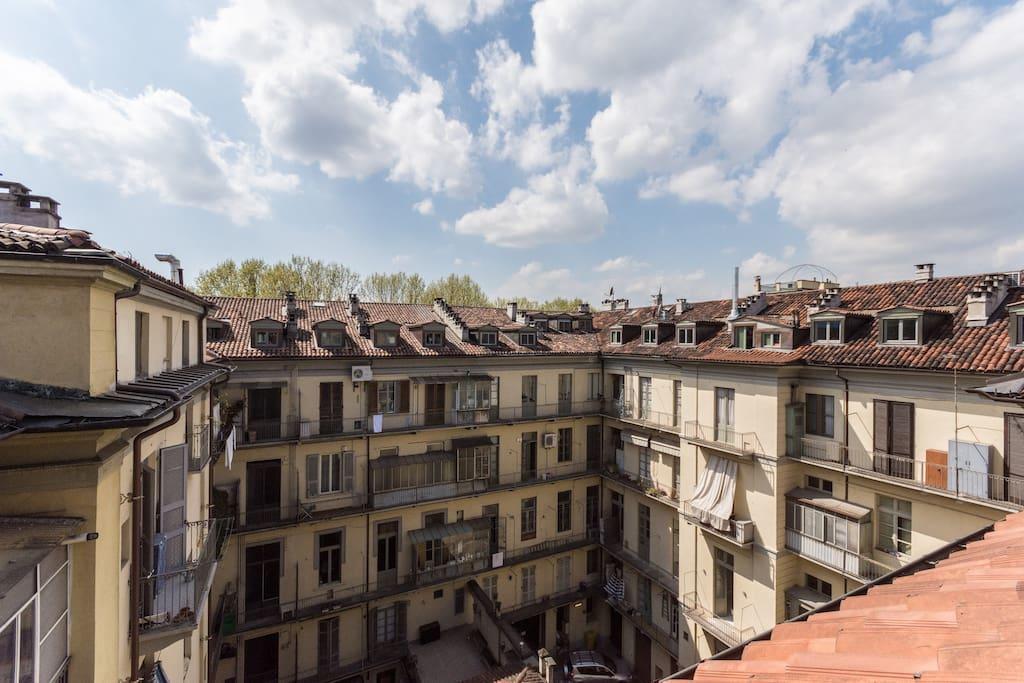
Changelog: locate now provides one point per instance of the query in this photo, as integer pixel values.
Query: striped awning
(665, 447)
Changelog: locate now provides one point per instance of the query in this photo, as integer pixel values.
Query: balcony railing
(541, 603)
(722, 438)
(264, 516)
(723, 629)
(262, 431)
(551, 546)
(643, 618)
(665, 491)
(852, 564)
(199, 448)
(740, 531)
(174, 598)
(626, 410)
(1007, 492)
(665, 578)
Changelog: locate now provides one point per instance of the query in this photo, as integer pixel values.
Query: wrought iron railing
(643, 414)
(740, 531)
(722, 437)
(199, 448)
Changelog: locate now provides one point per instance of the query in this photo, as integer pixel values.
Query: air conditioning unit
(362, 373)
(550, 440)
(744, 530)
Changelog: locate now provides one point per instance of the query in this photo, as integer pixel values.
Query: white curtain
(716, 489)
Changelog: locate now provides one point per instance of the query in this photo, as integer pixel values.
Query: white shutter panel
(173, 470)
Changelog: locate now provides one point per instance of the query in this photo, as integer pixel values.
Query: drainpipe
(132, 291)
(136, 571)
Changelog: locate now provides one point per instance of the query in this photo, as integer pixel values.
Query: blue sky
(555, 148)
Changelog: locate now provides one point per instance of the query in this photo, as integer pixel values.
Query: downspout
(132, 291)
(136, 572)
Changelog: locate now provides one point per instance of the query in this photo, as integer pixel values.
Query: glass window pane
(7, 648)
(53, 600)
(27, 651)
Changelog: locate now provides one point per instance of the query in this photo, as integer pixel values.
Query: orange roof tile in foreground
(962, 620)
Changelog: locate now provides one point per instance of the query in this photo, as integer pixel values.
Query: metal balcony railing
(262, 431)
(264, 516)
(850, 563)
(665, 491)
(643, 618)
(722, 628)
(721, 437)
(174, 598)
(664, 577)
(740, 531)
(199, 448)
(645, 415)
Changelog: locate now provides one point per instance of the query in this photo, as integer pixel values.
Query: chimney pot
(925, 272)
(353, 304)
(512, 309)
(757, 284)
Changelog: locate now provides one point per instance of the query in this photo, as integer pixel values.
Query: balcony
(449, 551)
(552, 546)
(661, 491)
(664, 578)
(642, 618)
(642, 415)
(199, 448)
(818, 450)
(853, 565)
(173, 599)
(266, 431)
(542, 603)
(723, 629)
(740, 532)
(722, 438)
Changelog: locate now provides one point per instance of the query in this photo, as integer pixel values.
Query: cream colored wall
(157, 306)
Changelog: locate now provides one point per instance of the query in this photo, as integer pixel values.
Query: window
(650, 335)
(686, 335)
(1018, 328)
(594, 384)
(385, 338)
(330, 473)
(725, 413)
(565, 325)
(490, 586)
(141, 344)
(819, 484)
(899, 330)
(266, 337)
(473, 395)
(186, 344)
(528, 519)
(331, 415)
(387, 625)
(819, 585)
(743, 337)
(528, 584)
(328, 338)
(489, 338)
(433, 338)
(615, 336)
(330, 552)
(563, 573)
(475, 462)
(528, 338)
(168, 341)
(677, 402)
(216, 332)
(645, 465)
(328, 644)
(565, 444)
(541, 323)
(33, 630)
(723, 584)
(894, 525)
(387, 397)
(645, 397)
(564, 511)
(564, 390)
(771, 340)
(828, 331)
(460, 600)
(820, 415)
(894, 434)
(593, 561)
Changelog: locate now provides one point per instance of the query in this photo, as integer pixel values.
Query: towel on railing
(716, 489)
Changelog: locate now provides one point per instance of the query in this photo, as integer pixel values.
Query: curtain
(716, 489)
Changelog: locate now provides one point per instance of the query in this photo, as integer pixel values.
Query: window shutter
(1014, 446)
(371, 397)
(341, 533)
(403, 396)
(371, 621)
(882, 426)
(812, 423)
(400, 621)
(903, 429)
(312, 475)
(172, 505)
(348, 464)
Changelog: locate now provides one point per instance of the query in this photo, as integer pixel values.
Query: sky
(556, 148)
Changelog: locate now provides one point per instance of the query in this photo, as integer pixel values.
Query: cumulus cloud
(534, 281)
(619, 263)
(424, 207)
(300, 64)
(152, 142)
(559, 206)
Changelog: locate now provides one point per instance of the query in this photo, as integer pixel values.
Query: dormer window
(528, 338)
(216, 331)
(385, 338)
(615, 336)
(900, 330)
(743, 337)
(828, 331)
(541, 324)
(771, 340)
(650, 336)
(565, 325)
(433, 339)
(266, 338)
(1017, 322)
(489, 338)
(330, 338)
(686, 336)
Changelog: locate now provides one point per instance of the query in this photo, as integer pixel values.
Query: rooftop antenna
(735, 312)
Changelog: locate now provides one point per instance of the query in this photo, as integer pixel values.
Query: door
(644, 532)
(616, 521)
(642, 673)
(262, 492)
(387, 553)
(171, 542)
(262, 580)
(261, 659)
(529, 395)
(593, 510)
(528, 460)
(331, 408)
(725, 405)
(491, 511)
(564, 393)
(264, 414)
(1014, 450)
(435, 404)
(593, 447)
(645, 398)
(894, 439)
(616, 631)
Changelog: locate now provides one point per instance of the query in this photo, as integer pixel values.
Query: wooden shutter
(371, 397)
(173, 470)
(902, 429)
(882, 426)
(312, 475)
(402, 388)
(1014, 445)
(348, 471)
(813, 414)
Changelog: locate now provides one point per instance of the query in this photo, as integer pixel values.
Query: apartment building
(107, 549)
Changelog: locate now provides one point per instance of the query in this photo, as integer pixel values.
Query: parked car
(587, 666)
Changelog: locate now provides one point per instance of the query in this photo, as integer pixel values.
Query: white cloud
(401, 259)
(912, 165)
(424, 207)
(560, 206)
(762, 264)
(948, 32)
(706, 183)
(152, 142)
(533, 281)
(619, 263)
(299, 62)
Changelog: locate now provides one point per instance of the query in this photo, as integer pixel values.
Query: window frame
(776, 338)
(323, 343)
(690, 334)
(433, 338)
(827, 325)
(563, 511)
(276, 334)
(387, 396)
(892, 512)
(382, 338)
(527, 338)
(615, 337)
(741, 332)
(564, 445)
(900, 322)
(528, 519)
(488, 338)
(650, 335)
(823, 409)
(332, 635)
(335, 558)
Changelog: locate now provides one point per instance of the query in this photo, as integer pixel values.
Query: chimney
(511, 310)
(291, 311)
(985, 298)
(735, 312)
(18, 205)
(683, 305)
(177, 274)
(757, 284)
(656, 299)
(353, 304)
(925, 272)
(583, 308)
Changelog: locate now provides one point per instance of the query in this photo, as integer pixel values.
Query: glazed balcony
(851, 564)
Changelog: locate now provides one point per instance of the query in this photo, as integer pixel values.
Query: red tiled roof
(961, 620)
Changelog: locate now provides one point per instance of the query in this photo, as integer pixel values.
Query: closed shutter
(813, 406)
(882, 426)
(400, 621)
(172, 505)
(348, 476)
(371, 397)
(402, 388)
(1014, 457)
(902, 429)
(312, 475)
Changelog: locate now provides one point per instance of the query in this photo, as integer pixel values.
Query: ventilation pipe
(735, 312)
(177, 274)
